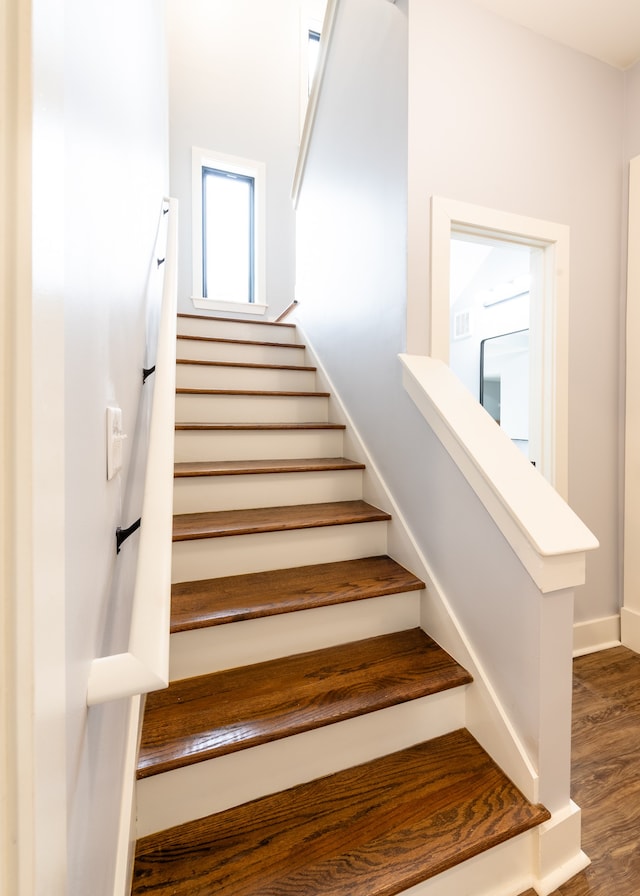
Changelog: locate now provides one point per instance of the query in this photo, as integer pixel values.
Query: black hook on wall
(123, 534)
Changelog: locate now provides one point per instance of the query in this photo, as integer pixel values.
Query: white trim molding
(630, 617)
(550, 319)
(207, 158)
(596, 634)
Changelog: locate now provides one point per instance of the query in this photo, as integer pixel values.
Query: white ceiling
(609, 30)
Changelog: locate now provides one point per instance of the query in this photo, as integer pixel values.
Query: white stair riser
(249, 353)
(257, 640)
(198, 494)
(212, 786)
(504, 870)
(202, 445)
(206, 558)
(232, 329)
(251, 409)
(206, 376)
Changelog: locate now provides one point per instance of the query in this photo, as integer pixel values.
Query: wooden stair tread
(372, 830)
(219, 523)
(284, 465)
(234, 598)
(257, 426)
(251, 364)
(222, 712)
(235, 320)
(261, 393)
(243, 342)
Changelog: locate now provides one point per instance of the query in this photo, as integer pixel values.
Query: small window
(228, 231)
(228, 236)
(313, 49)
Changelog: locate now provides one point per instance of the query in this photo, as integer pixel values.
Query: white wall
(503, 118)
(99, 172)
(234, 75)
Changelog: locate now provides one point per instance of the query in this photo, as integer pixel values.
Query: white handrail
(543, 531)
(145, 666)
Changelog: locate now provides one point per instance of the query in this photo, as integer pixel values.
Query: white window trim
(206, 158)
(553, 324)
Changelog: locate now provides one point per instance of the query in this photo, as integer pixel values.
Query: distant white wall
(503, 118)
(115, 176)
(234, 74)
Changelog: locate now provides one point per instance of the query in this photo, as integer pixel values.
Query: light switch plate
(115, 437)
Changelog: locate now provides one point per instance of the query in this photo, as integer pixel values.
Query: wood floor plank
(605, 772)
(222, 712)
(372, 830)
(234, 598)
(286, 465)
(188, 526)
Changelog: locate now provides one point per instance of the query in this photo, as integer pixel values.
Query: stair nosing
(293, 368)
(326, 837)
(186, 469)
(228, 599)
(262, 520)
(321, 687)
(242, 342)
(257, 393)
(258, 426)
(234, 320)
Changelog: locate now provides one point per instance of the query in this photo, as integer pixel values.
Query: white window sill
(234, 307)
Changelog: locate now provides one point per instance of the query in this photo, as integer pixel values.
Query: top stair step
(235, 598)
(373, 830)
(234, 328)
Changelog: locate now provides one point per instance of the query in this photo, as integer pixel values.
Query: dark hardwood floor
(606, 772)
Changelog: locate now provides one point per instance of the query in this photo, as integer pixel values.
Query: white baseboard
(598, 634)
(630, 628)
(559, 854)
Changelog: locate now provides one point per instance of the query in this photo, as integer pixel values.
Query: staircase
(312, 737)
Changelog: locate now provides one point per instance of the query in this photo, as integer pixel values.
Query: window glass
(312, 56)
(227, 236)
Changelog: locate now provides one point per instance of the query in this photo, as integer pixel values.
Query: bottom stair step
(373, 830)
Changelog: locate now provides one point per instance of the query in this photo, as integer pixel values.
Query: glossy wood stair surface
(374, 827)
(221, 523)
(373, 830)
(280, 465)
(208, 602)
(212, 715)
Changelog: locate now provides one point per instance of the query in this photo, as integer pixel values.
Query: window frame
(207, 159)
